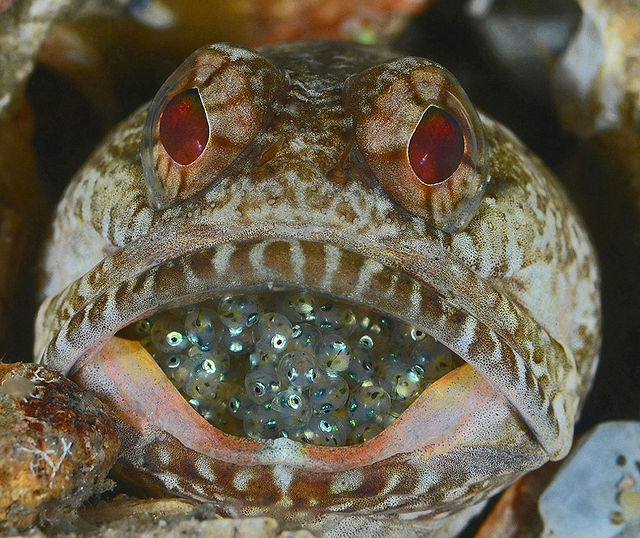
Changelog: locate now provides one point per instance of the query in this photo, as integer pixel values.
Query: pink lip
(451, 412)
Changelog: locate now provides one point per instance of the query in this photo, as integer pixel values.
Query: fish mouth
(376, 278)
(291, 363)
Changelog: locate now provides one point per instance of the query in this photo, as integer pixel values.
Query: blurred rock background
(562, 74)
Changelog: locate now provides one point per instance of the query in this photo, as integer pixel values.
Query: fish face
(324, 190)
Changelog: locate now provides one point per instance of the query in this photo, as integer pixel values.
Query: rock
(57, 444)
(123, 506)
(596, 80)
(596, 492)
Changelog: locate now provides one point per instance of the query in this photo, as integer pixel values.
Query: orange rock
(57, 444)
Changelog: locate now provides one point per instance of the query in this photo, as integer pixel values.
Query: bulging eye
(422, 139)
(203, 117)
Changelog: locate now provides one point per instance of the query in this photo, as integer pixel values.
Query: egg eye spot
(184, 130)
(436, 146)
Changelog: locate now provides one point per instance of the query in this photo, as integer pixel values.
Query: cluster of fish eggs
(296, 365)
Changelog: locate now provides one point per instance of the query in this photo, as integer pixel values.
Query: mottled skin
(515, 294)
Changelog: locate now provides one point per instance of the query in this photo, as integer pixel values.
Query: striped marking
(256, 257)
(332, 257)
(164, 456)
(342, 270)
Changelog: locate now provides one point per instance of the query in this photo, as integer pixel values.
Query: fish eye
(422, 139)
(436, 146)
(203, 117)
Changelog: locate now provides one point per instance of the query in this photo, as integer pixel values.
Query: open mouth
(100, 346)
(293, 363)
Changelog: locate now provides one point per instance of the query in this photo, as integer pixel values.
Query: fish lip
(432, 274)
(461, 404)
(459, 424)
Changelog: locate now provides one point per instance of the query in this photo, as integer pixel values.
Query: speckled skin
(515, 294)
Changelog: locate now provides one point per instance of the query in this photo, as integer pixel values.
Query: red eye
(184, 129)
(436, 146)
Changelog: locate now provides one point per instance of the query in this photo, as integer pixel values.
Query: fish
(357, 177)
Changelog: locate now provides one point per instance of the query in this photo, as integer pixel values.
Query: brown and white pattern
(515, 294)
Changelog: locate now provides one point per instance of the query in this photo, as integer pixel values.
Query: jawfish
(311, 281)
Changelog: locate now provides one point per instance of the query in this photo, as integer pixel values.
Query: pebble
(57, 444)
(596, 492)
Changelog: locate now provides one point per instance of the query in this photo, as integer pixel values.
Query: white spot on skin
(514, 256)
(285, 452)
(368, 269)
(163, 455)
(297, 258)
(468, 335)
(198, 488)
(487, 258)
(393, 481)
(346, 481)
(511, 320)
(332, 256)
(221, 259)
(242, 478)
(142, 220)
(204, 468)
(416, 298)
(463, 246)
(426, 481)
(528, 345)
(253, 511)
(256, 257)
(170, 481)
(496, 356)
(342, 507)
